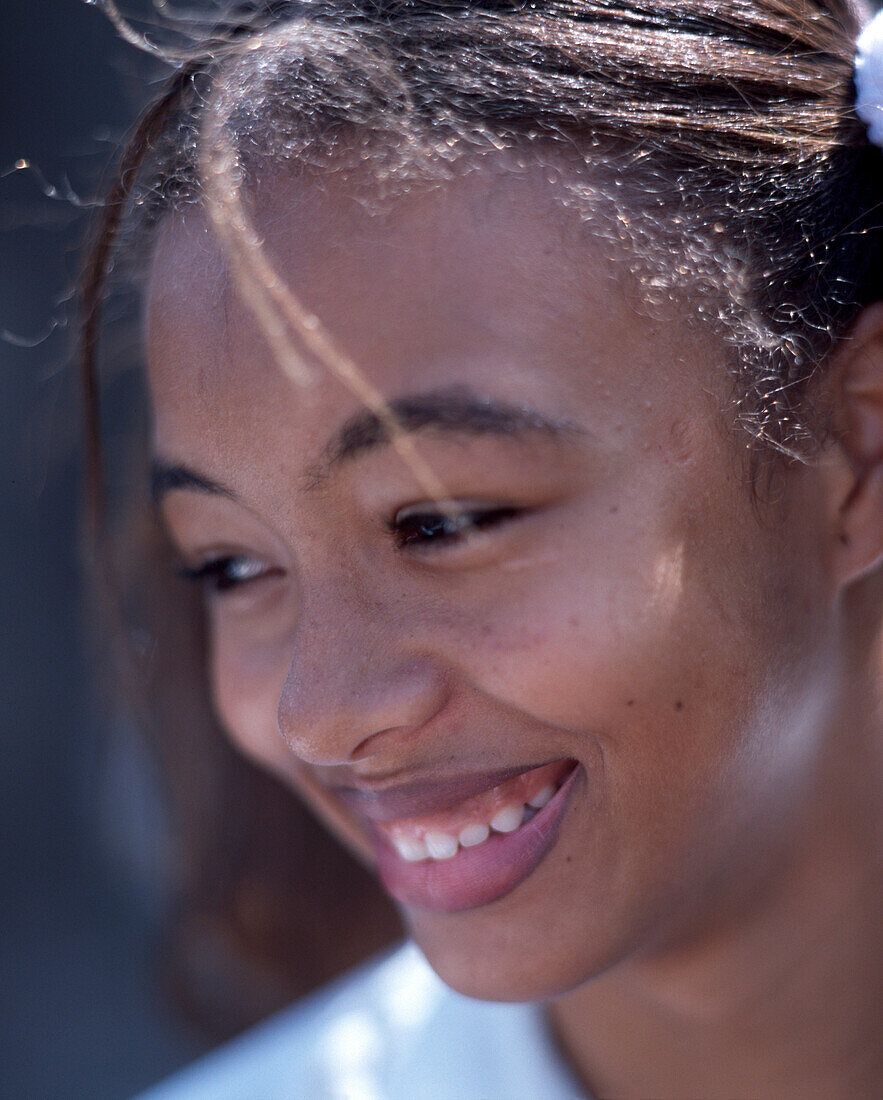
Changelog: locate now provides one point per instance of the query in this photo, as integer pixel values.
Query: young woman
(516, 373)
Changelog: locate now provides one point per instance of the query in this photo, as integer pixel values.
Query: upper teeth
(542, 797)
(508, 819)
(474, 834)
(410, 849)
(438, 845)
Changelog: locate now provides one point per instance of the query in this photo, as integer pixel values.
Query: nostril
(380, 742)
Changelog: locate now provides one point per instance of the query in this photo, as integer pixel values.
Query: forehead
(353, 258)
(487, 280)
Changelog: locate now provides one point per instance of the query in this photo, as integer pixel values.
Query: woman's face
(614, 617)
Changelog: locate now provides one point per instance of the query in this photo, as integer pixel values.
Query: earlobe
(857, 489)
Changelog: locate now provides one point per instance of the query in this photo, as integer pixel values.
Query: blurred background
(82, 874)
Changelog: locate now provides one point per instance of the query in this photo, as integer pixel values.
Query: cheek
(602, 629)
(246, 682)
(665, 653)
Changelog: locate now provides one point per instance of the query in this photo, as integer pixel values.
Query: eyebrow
(456, 410)
(168, 476)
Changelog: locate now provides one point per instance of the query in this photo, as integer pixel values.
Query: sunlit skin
(703, 651)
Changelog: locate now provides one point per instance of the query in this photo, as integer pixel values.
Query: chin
(506, 952)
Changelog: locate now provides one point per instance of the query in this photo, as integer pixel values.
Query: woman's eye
(428, 527)
(225, 573)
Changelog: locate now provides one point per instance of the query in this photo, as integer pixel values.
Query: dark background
(82, 891)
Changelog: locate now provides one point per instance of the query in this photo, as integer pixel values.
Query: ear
(855, 482)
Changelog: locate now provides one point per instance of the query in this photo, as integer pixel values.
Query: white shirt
(391, 1030)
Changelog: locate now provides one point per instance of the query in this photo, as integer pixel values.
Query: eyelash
(418, 529)
(423, 528)
(219, 574)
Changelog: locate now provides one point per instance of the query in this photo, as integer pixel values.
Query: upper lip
(426, 796)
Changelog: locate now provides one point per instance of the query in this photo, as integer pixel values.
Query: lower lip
(475, 876)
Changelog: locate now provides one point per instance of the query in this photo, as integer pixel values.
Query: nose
(357, 683)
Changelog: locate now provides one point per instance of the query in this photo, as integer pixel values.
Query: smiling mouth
(463, 855)
(502, 809)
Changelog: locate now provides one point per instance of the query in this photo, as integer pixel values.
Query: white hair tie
(869, 78)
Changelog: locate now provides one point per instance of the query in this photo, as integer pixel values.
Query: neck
(780, 995)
